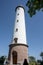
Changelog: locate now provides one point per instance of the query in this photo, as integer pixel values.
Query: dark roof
(18, 7)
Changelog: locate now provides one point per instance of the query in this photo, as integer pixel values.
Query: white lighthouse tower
(18, 49)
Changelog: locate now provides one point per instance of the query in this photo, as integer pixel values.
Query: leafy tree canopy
(38, 61)
(31, 58)
(2, 58)
(41, 54)
(34, 6)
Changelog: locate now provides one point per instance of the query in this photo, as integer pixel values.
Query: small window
(16, 29)
(18, 14)
(17, 20)
(15, 39)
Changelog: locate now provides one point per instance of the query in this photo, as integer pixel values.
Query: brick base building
(17, 53)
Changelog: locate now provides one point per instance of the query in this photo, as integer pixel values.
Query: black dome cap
(18, 7)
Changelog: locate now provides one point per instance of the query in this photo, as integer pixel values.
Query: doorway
(14, 54)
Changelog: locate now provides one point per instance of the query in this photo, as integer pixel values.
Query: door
(14, 54)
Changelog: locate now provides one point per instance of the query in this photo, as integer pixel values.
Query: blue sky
(34, 27)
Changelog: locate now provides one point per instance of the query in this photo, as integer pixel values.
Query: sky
(34, 28)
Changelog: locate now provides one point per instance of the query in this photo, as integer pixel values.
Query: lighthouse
(18, 49)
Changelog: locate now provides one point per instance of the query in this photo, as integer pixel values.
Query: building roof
(18, 7)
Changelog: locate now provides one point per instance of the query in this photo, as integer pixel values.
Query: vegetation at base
(2, 58)
(41, 54)
(33, 61)
(34, 6)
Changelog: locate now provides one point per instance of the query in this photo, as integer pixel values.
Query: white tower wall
(19, 29)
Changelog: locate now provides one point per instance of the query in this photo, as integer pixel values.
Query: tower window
(15, 40)
(18, 14)
(16, 29)
(17, 20)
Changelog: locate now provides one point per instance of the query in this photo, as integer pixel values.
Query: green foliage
(41, 63)
(32, 63)
(41, 54)
(31, 58)
(2, 58)
(38, 62)
(33, 6)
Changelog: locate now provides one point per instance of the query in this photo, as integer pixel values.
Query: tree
(38, 62)
(34, 6)
(41, 54)
(2, 58)
(31, 58)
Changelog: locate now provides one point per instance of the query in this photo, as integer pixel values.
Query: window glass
(18, 14)
(17, 20)
(16, 29)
